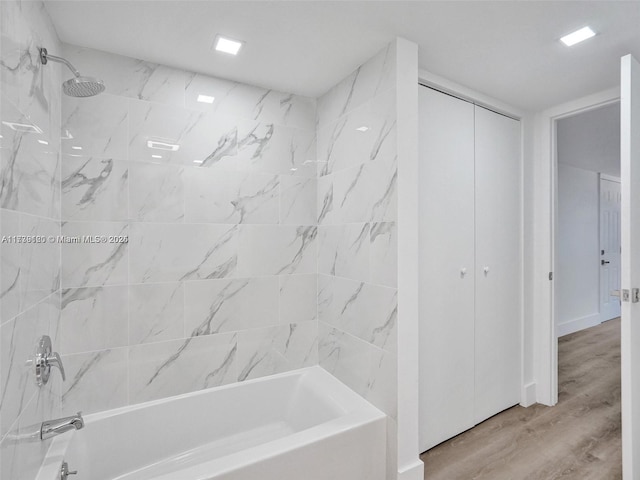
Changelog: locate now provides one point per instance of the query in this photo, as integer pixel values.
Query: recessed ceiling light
(293, 169)
(198, 161)
(43, 142)
(205, 99)
(362, 129)
(23, 127)
(77, 148)
(577, 36)
(227, 45)
(156, 156)
(172, 147)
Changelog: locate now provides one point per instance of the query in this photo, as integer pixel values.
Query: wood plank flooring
(578, 439)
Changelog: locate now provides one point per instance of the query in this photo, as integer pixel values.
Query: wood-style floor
(578, 439)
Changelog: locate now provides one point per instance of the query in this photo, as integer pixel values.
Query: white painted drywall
(577, 254)
(591, 140)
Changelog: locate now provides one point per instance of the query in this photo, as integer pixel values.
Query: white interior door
(610, 198)
(446, 264)
(630, 221)
(498, 263)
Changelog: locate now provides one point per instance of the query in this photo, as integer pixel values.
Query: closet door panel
(446, 267)
(498, 263)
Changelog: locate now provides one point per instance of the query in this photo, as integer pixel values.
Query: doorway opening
(587, 251)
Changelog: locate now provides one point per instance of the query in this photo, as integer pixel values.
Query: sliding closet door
(446, 267)
(498, 263)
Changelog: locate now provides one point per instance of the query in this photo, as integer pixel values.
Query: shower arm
(45, 57)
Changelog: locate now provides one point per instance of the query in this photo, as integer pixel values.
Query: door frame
(545, 228)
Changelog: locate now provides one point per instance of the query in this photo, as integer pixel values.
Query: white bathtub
(300, 425)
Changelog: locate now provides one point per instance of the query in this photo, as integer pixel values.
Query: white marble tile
(86, 264)
(370, 312)
(201, 137)
(29, 170)
(276, 249)
(327, 211)
(276, 349)
(298, 200)
(241, 101)
(172, 252)
(130, 77)
(96, 381)
(18, 339)
(93, 318)
(94, 189)
(343, 250)
(156, 192)
(21, 450)
(34, 89)
(10, 294)
(156, 312)
(164, 369)
(298, 298)
(231, 197)
(383, 380)
(345, 357)
(265, 147)
(366, 134)
(98, 125)
(217, 306)
(383, 254)
(360, 194)
(373, 77)
(39, 262)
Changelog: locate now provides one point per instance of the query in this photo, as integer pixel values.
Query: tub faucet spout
(51, 428)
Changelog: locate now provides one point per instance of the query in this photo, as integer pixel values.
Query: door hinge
(550, 275)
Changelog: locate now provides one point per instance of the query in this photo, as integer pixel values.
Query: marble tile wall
(30, 100)
(209, 272)
(357, 235)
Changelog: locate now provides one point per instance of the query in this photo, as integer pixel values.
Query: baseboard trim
(415, 471)
(577, 324)
(528, 394)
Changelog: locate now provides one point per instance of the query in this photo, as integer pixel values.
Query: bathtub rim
(357, 411)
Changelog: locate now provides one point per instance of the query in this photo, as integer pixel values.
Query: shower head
(76, 87)
(83, 87)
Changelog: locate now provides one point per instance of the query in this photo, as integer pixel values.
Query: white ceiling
(505, 49)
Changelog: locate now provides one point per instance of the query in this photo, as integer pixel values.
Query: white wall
(591, 140)
(577, 244)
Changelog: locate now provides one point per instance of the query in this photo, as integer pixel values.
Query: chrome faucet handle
(54, 360)
(64, 471)
(44, 359)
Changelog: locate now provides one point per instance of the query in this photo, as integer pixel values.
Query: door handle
(604, 262)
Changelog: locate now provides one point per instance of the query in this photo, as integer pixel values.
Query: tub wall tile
(221, 229)
(93, 318)
(163, 369)
(156, 312)
(169, 253)
(218, 306)
(30, 172)
(94, 263)
(94, 189)
(357, 233)
(96, 125)
(96, 381)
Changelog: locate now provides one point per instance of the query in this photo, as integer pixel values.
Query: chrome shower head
(83, 87)
(76, 87)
